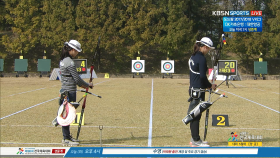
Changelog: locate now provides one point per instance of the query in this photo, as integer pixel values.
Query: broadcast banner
(242, 24)
(140, 151)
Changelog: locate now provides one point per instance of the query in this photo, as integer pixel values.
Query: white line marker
(27, 91)
(85, 126)
(255, 88)
(266, 129)
(28, 108)
(151, 117)
(252, 101)
(37, 104)
(102, 82)
(60, 144)
(239, 85)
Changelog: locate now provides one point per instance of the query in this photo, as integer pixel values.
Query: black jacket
(198, 69)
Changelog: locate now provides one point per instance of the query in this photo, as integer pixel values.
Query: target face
(138, 66)
(167, 66)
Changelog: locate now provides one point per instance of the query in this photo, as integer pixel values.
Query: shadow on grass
(223, 126)
(271, 139)
(218, 143)
(184, 83)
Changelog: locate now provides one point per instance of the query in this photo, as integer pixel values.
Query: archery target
(167, 66)
(138, 66)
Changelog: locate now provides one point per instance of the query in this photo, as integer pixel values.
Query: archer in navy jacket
(198, 69)
(198, 79)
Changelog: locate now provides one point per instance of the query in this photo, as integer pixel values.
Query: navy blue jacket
(198, 69)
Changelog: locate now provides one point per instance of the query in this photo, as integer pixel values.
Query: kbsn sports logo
(233, 137)
(237, 13)
(20, 151)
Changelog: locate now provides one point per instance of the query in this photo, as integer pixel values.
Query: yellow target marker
(106, 75)
(77, 119)
(44, 57)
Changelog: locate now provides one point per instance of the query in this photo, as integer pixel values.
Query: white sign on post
(167, 66)
(138, 66)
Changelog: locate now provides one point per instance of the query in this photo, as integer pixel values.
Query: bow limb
(85, 98)
(91, 70)
(215, 68)
(214, 74)
(94, 58)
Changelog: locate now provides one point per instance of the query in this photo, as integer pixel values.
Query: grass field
(124, 112)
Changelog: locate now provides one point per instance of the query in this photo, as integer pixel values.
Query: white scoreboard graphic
(138, 66)
(167, 66)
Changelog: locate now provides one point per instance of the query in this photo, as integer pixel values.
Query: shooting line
(256, 88)
(28, 108)
(40, 103)
(120, 145)
(168, 127)
(252, 101)
(27, 91)
(151, 117)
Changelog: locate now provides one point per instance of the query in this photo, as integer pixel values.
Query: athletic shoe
(55, 123)
(199, 143)
(205, 142)
(69, 142)
(73, 139)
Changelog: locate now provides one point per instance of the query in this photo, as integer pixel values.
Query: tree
(204, 23)
(25, 18)
(2, 15)
(177, 29)
(90, 21)
(58, 23)
(274, 29)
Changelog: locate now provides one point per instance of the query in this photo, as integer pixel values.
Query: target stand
(260, 69)
(167, 75)
(1, 67)
(137, 68)
(227, 82)
(44, 67)
(21, 67)
(167, 68)
(137, 75)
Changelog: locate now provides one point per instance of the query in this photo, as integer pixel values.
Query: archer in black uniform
(198, 79)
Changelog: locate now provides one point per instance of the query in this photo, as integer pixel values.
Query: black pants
(194, 124)
(66, 129)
